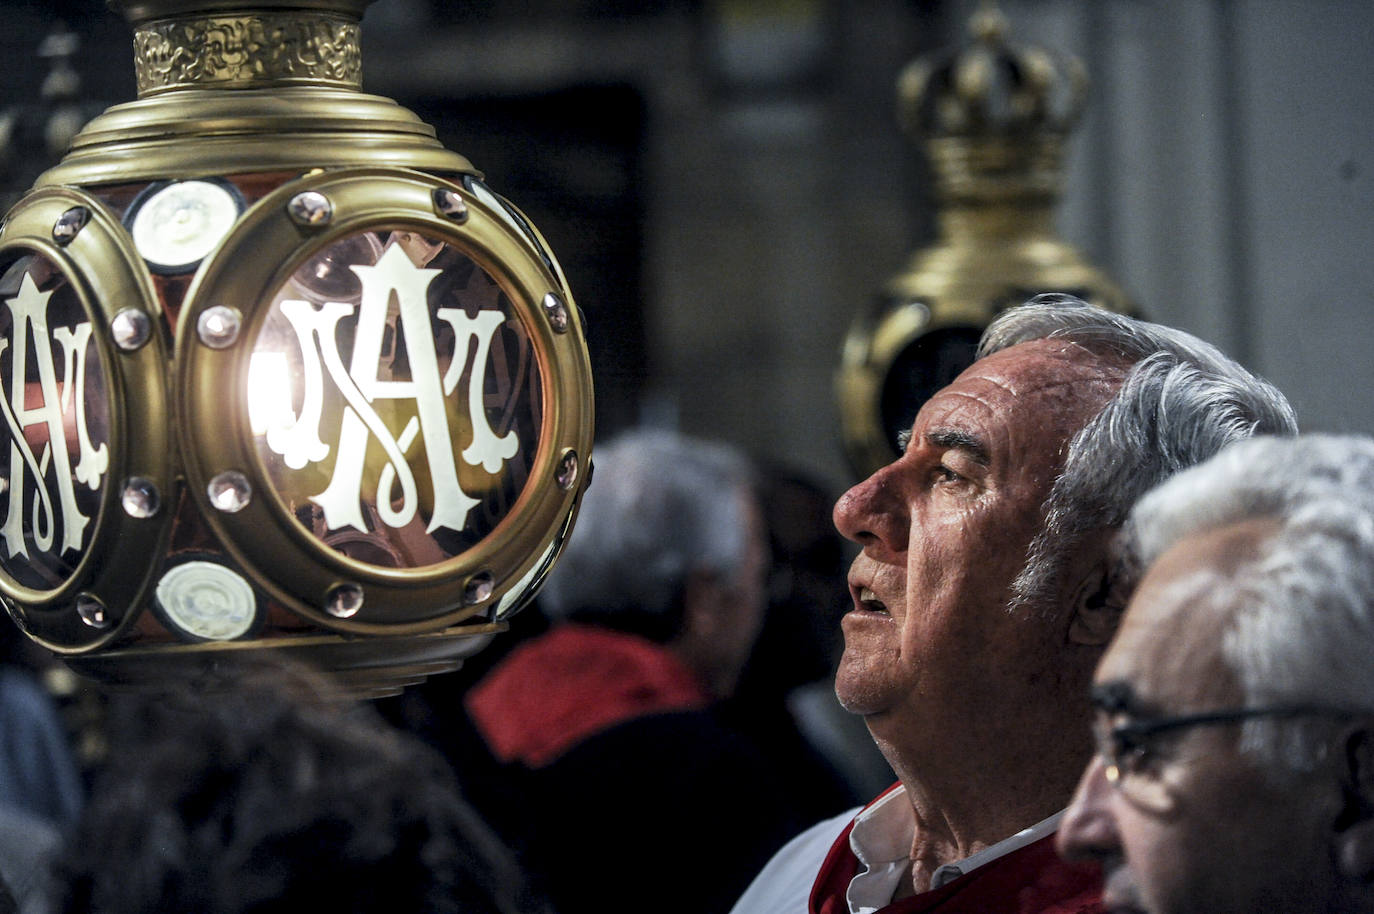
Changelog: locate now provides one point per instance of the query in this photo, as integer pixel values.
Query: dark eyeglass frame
(1134, 733)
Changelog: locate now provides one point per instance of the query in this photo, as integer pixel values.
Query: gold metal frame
(266, 248)
(292, 128)
(107, 275)
(367, 668)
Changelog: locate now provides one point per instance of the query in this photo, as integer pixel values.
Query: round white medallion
(180, 224)
(207, 601)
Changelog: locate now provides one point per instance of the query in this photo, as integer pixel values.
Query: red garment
(571, 683)
(1030, 880)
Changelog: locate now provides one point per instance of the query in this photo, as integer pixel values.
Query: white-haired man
(1235, 707)
(981, 606)
(607, 723)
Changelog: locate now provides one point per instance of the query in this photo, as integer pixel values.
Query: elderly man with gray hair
(982, 602)
(1235, 707)
(608, 721)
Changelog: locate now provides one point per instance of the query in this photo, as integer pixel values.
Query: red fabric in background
(575, 681)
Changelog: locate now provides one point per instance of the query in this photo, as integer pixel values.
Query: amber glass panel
(395, 398)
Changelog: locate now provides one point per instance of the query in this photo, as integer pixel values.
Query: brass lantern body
(280, 372)
(993, 121)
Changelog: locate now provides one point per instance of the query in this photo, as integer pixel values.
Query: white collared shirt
(881, 840)
(882, 837)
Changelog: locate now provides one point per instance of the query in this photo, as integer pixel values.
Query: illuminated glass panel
(395, 398)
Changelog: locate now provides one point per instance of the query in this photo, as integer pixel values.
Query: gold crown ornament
(278, 371)
(993, 120)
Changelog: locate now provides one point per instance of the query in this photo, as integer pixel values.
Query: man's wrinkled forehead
(1047, 365)
(1043, 387)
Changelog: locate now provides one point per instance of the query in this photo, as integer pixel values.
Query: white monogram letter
(361, 384)
(30, 320)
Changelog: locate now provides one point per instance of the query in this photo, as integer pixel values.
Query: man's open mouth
(869, 601)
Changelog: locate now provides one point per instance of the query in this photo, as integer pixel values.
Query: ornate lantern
(993, 120)
(278, 371)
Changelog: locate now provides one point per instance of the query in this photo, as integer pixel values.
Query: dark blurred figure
(269, 793)
(799, 643)
(630, 784)
(40, 783)
(38, 772)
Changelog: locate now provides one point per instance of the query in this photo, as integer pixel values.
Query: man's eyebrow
(1116, 697)
(956, 439)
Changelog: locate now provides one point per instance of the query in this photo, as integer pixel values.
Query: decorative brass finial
(993, 119)
(249, 85)
(214, 46)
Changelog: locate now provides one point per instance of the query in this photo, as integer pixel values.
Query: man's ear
(1095, 610)
(1101, 595)
(1354, 827)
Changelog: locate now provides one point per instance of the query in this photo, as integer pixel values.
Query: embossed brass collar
(241, 86)
(254, 50)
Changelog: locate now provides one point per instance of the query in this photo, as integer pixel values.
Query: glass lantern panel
(395, 399)
(54, 459)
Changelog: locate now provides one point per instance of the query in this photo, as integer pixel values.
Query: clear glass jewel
(70, 223)
(207, 601)
(566, 475)
(230, 491)
(479, 588)
(450, 203)
(557, 312)
(180, 224)
(131, 328)
(140, 497)
(344, 601)
(218, 326)
(310, 208)
(92, 611)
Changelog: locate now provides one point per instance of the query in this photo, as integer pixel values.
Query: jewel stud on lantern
(140, 498)
(310, 208)
(130, 329)
(69, 224)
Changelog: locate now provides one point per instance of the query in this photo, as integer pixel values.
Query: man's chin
(1119, 894)
(857, 693)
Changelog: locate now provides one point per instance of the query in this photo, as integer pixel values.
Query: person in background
(607, 723)
(271, 793)
(41, 790)
(981, 602)
(1235, 707)
(793, 662)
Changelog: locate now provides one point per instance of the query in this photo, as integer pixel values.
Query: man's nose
(874, 513)
(1088, 829)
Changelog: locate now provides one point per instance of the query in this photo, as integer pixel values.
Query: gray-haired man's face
(1191, 824)
(945, 529)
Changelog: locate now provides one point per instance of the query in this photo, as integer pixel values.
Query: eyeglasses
(1130, 757)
